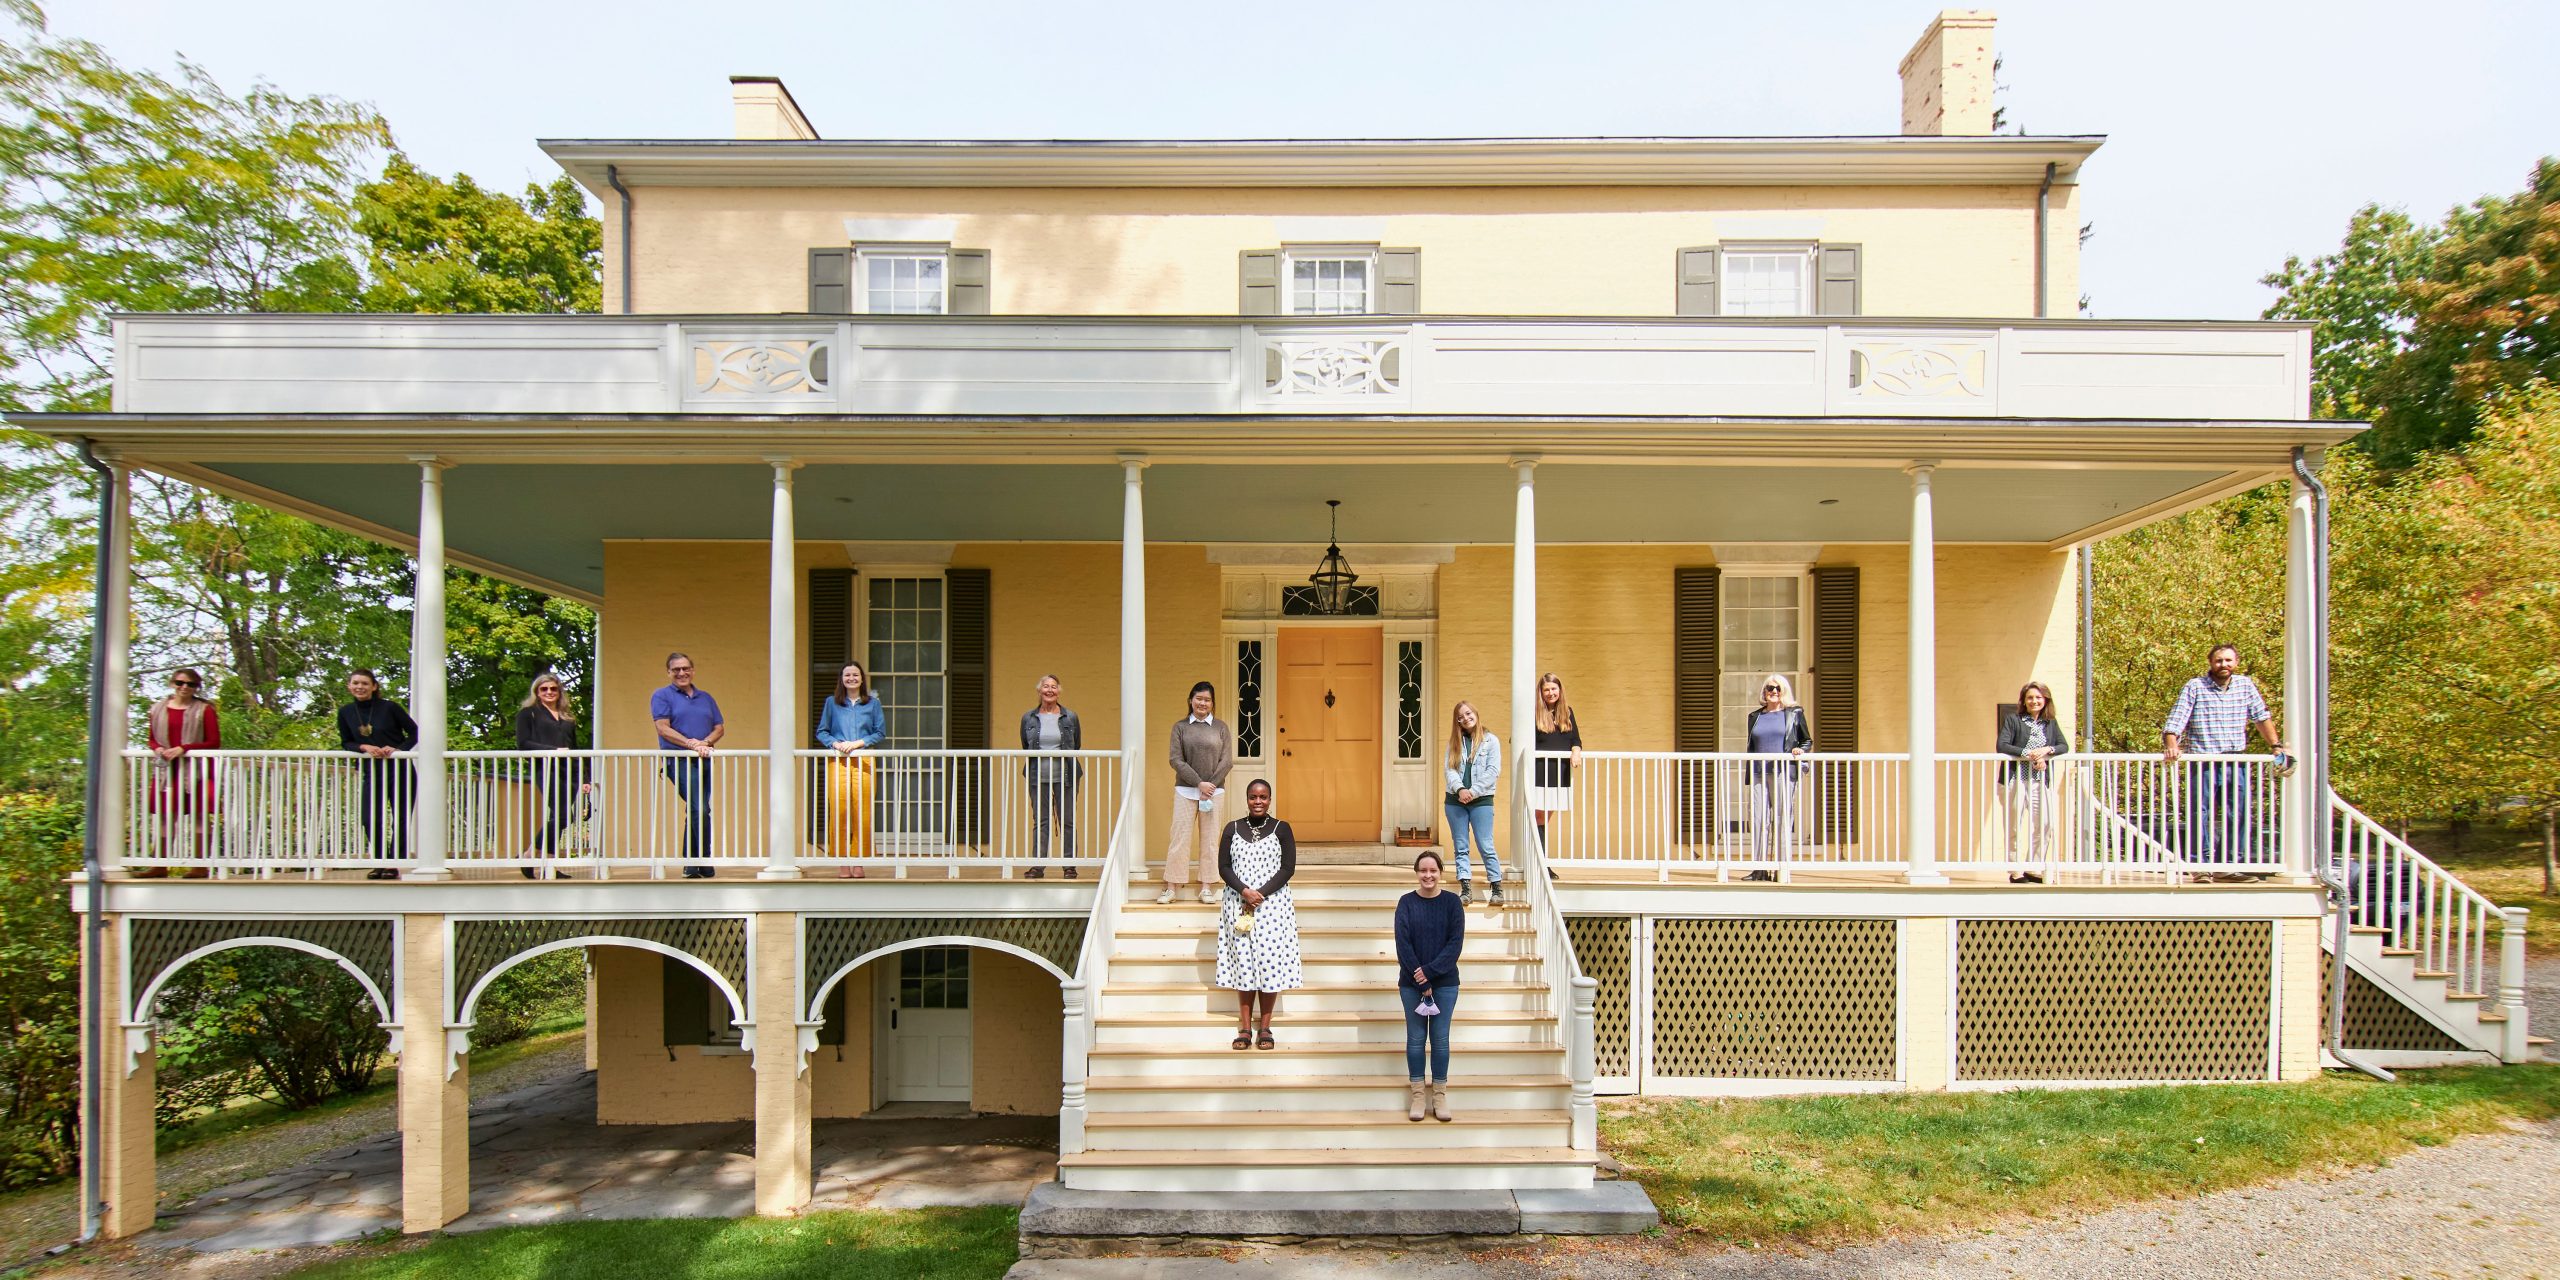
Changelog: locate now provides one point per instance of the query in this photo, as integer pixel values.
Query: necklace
(1256, 830)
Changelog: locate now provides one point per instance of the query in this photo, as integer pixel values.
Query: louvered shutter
(830, 593)
(684, 1003)
(1399, 282)
(1833, 705)
(1259, 287)
(967, 694)
(1695, 676)
(969, 276)
(1836, 273)
(1696, 276)
(831, 281)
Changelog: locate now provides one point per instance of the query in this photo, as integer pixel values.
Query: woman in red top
(182, 794)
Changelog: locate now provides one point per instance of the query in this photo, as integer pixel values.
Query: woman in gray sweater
(1204, 749)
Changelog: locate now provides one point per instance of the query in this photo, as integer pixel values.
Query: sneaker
(1165, 898)
(1466, 892)
(698, 873)
(1766, 877)
(1036, 873)
(382, 873)
(1497, 893)
(1071, 873)
(1208, 896)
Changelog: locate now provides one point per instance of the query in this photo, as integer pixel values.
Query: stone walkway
(537, 1155)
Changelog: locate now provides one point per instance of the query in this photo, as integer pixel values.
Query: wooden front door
(1328, 732)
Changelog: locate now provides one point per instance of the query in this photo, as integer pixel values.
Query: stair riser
(1380, 947)
(1330, 973)
(1383, 1099)
(1384, 1177)
(1404, 1136)
(1390, 1034)
(1382, 1000)
(1523, 1060)
(1380, 916)
(1380, 897)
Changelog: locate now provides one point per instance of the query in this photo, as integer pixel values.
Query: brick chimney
(1946, 78)
(765, 111)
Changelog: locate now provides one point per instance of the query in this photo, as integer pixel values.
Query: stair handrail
(2441, 918)
(1081, 995)
(1576, 1010)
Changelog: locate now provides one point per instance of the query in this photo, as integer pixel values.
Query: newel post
(1071, 1109)
(1582, 1061)
(2513, 1044)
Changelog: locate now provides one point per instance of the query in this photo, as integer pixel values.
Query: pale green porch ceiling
(550, 522)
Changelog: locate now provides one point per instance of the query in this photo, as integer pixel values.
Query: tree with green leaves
(2485, 320)
(445, 246)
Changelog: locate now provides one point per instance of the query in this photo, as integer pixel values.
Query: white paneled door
(924, 1027)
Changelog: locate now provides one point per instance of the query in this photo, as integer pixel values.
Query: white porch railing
(1575, 995)
(597, 809)
(1012, 810)
(2108, 813)
(2420, 908)
(263, 811)
(1081, 996)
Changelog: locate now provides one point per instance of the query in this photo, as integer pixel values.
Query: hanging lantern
(1333, 576)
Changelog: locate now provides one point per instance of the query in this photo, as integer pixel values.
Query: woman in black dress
(546, 723)
(1551, 790)
(379, 730)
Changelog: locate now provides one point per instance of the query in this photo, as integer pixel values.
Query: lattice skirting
(832, 942)
(1775, 999)
(1604, 947)
(2113, 1000)
(2375, 1020)
(154, 945)
(482, 947)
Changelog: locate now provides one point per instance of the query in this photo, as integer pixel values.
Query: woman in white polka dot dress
(1257, 921)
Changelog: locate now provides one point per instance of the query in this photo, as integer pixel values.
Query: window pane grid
(1329, 286)
(1758, 633)
(903, 284)
(1767, 283)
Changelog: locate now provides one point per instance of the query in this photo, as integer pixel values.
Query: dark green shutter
(831, 1014)
(1399, 282)
(1836, 269)
(1259, 272)
(1695, 679)
(1833, 706)
(968, 277)
(684, 1003)
(968, 695)
(1695, 272)
(830, 647)
(831, 282)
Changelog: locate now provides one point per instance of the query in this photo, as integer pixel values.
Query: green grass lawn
(1838, 1169)
(923, 1244)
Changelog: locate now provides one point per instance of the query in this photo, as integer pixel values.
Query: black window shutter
(685, 1002)
(1833, 707)
(831, 281)
(1695, 678)
(830, 647)
(967, 692)
(831, 1014)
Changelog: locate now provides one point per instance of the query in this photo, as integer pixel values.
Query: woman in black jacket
(2031, 738)
(1050, 726)
(547, 723)
(379, 730)
(1776, 727)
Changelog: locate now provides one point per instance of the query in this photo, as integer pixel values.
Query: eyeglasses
(1772, 689)
(188, 684)
(675, 670)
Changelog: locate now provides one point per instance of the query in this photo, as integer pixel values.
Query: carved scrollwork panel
(762, 368)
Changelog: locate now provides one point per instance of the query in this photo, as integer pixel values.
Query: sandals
(1244, 1040)
(1264, 1040)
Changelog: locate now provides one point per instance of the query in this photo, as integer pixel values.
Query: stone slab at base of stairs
(1603, 1208)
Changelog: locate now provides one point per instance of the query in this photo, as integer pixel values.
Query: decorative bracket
(457, 1042)
(137, 1042)
(808, 1044)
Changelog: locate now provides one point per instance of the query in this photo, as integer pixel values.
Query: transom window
(904, 282)
(1761, 631)
(1328, 283)
(1768, 282)
(933, 978)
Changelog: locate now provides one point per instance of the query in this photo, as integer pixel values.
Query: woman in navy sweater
(1431, 928)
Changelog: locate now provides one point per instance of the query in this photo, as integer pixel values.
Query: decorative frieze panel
(2113, 999)
(155, 946)
(1935, 371)
(483, 947)
(1333, 367)
(829, 943)
(761, 373)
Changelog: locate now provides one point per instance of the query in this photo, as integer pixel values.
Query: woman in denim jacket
(850, 721)
(1472, 765)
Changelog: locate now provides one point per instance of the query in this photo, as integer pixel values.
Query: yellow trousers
(848, 808)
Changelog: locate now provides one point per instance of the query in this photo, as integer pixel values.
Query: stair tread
(1387, 986)
(2492, 1015)
(1325, 1018)
(1382, 932)
(2371, 930)
(1372, 1119)
(1265, 1157)
(2435, 973)
(1101, 1084)
(1304, 1049)
(2403, 952)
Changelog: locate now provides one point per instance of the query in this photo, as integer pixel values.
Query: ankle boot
(1419, 1102)
(1440, 1102)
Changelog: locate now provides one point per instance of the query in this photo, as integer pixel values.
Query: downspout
(613, 179)
(2044, 210)
(2315, 726)
(93, 1032)
(2088, 647)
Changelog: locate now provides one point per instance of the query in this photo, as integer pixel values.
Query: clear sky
(2239, 132)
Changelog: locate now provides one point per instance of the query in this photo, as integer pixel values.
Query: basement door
(924, 1028)
(1328, 733)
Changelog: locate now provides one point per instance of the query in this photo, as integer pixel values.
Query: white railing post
(1582, 1060)
(782, 792)
(115, 699)
(1920, 796)
(1133, 637)
(1071, 1111)
(426, 675)
(2515, 1044)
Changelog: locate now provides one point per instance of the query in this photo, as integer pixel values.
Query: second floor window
(1329, 283)
(1768, 282)
(903, 282)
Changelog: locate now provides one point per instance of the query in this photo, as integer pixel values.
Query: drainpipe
(2044, 210)
(613, 179)
(93, 1032)
(2088, 647)
(2315, 727)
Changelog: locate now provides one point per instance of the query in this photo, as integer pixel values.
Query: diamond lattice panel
(157, 944)
(481, 947)
(1774, 999)
(2377, 1020)
(2112, 999)
(836, 941)
(1600, 946)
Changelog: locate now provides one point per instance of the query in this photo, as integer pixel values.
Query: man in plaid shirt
(2212, 717)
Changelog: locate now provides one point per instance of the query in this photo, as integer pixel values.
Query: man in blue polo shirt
(2213, 716)
(689, 724)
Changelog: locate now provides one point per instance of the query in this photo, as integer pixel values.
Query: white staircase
(1170, 1106)
(2431, 943)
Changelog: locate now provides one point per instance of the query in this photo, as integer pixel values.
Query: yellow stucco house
(1665, 416)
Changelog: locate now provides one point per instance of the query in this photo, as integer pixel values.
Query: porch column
(127, 1165)
(2304, 809)
(1920, 793)
(115, 691)
(1133, 641)
(435, 1104)
(426, 675)
(1524, 630)
(781, 662)
(781, 1067)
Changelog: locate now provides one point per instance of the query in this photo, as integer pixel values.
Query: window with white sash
(1760, 632)
(1767, 281)
(904, 282)
(1331, 282)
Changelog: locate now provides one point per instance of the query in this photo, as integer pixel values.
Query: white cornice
(1353, 162)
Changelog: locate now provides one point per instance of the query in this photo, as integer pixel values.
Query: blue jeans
(2220, 828)
(692, 776)
(1055, 794)
(1479, 817)
(1434, 1031)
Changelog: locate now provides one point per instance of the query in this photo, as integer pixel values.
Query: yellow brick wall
(1016, 1036)
(639, 1078)
(2298, 1000)
(840, 1080)
(1928, 944)
(1933, 251)
(1056, 610)
(1183, 607)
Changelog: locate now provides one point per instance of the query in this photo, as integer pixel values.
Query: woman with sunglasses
(2031, 738)
(182, 794)
(1776, 727)
(547, 723)
(378, 730)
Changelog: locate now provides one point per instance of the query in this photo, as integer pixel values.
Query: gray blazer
(2013, 741)
(1070, 738)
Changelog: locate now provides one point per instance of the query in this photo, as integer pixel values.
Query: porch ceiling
(547, 524)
